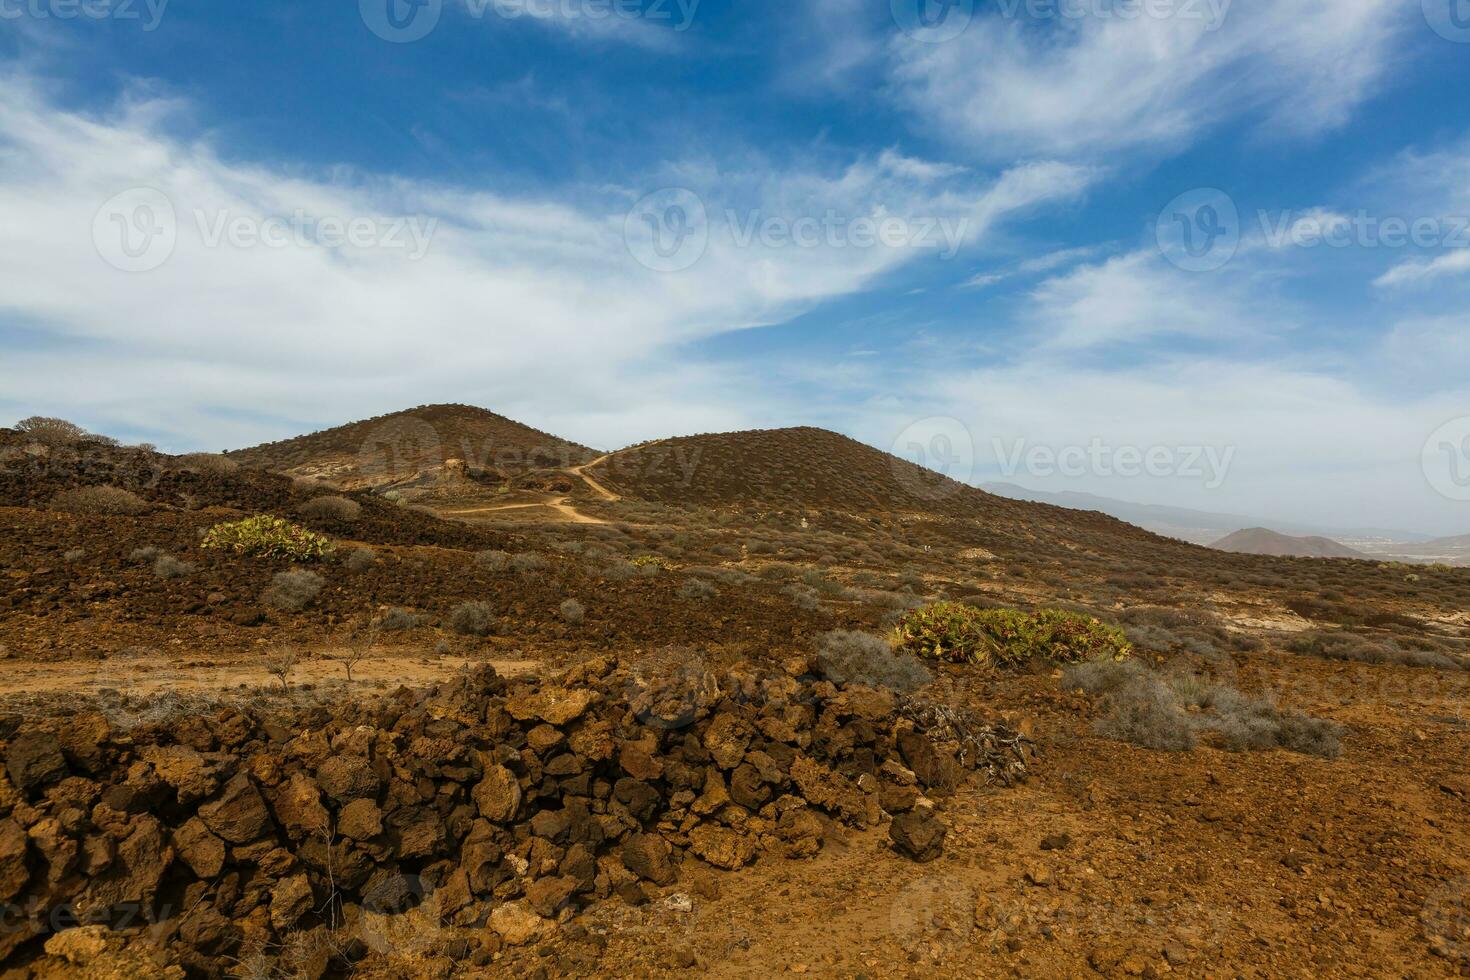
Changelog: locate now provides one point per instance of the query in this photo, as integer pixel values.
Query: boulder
(239, 815)
(360, 820)
(345, 778)
(647, 856)
(33, 760)
(721, 846)
(184, 770)
(498, 795)
(747, 788)
(289, 901)
(637, 762)
(299, 809)
(546, 896)
(517, 924)
(13, 873)
(726, 740)
(555, 706)
(203, 852)
(934, 768)
(918, 835)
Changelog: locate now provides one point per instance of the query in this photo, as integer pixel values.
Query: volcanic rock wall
(485, 800)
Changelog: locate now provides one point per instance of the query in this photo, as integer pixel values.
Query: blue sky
(958, 232)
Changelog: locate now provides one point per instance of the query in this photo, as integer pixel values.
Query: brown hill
(1261, 541)
(789, 468)
(406, 445)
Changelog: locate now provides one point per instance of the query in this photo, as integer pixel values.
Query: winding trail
(562, 504)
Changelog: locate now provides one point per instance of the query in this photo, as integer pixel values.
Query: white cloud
(657, 27)
(1081, 87)
(513, 297)
(1137, 297)
(1413, 271)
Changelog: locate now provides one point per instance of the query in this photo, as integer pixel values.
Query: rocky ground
(440, 813)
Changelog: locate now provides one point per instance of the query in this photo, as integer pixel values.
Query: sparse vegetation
(264, 536)
(852, 657)
(293, 591)
(1169, 712)
(573, 612)
(206, 463)
(492, 560)
(697, 588)
(359, 559)
(144, 556)
(340, 509)
(398, 620)
(168, 567)
(1342, 645)
(74, 555)
(51, 431)
(472, 619)
(100, 500)
(959, 633)
(280, 663)
(526, 563)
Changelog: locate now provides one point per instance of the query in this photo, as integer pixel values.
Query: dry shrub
(359, 559)
(143, 556)
(802, 597)
(169, 567)
(1359, 649)
(206, 463)
(399, 620)
(697, 588)
(331, 509)
(75, 554)
(526, 563)
(492, 560)
(1168, 712)
(293, 591)
(51, 431)
(573, 612)
(472, 619)
(99, 500)
(852, 657)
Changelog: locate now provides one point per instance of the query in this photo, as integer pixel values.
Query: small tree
(280, 664)
(55, 432)
(358, 645)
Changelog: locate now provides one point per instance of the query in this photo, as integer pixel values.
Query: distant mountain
(1197, 526)
(392, 448)
(1261, 541)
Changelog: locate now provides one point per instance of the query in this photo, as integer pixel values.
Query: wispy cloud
(510, 297)
(1086, 86)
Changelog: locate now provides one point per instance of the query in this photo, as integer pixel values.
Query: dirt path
(562, 505)
(559, 504)
(592, 483)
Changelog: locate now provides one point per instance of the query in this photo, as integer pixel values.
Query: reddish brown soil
(1205, 863)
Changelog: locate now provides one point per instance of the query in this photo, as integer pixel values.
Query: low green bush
(264, 536)
(958, 633)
